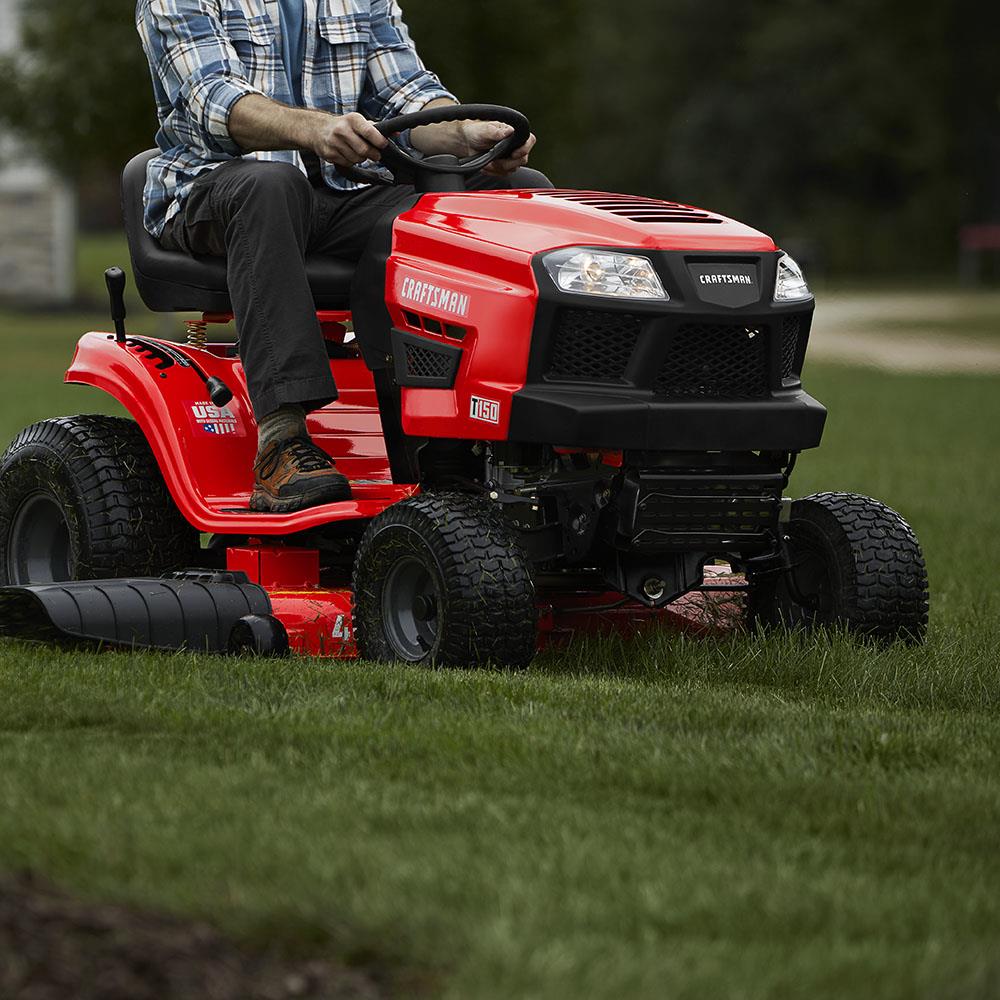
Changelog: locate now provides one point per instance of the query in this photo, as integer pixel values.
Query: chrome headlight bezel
(605, 273)
(790, 283)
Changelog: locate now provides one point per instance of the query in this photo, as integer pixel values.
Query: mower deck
(199, 613)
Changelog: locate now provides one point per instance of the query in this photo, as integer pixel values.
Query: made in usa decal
(215, 419)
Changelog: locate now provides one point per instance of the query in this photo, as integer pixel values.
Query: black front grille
(593, 346)
(715, 362)
(424, 363)
(790, 329)
(674, 359)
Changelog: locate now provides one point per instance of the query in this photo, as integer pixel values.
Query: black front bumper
(689, 373)
(590, 417)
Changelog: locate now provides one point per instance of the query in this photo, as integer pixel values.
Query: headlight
(594, 272)
(791, 284)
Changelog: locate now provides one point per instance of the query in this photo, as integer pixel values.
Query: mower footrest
(144, 613)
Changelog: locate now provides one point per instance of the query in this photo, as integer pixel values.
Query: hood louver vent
(636, 209)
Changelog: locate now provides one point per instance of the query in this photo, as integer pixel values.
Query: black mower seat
(169, 281)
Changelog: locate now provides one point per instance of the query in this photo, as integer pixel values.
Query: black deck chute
(197, 615)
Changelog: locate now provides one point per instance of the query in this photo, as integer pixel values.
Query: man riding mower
(285, 106)
(560, 411)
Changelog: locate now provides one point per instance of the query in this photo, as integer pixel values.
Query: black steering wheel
(404, 165)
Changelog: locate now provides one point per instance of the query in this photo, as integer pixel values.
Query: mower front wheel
(439, 579)
(854, 563)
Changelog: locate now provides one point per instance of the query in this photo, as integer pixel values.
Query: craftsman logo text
(726, 279)
(423, 293)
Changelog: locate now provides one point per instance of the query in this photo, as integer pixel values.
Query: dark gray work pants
(264, 218)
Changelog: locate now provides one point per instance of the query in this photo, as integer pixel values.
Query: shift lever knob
(115, 278)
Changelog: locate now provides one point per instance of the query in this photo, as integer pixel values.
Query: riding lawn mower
(561, 411)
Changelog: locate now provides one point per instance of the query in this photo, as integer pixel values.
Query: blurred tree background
(870, 128)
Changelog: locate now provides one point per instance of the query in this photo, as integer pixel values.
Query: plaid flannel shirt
(205, 55)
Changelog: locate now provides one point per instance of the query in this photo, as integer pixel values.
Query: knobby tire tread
(882, 577)
(489, 593)
(130, 524)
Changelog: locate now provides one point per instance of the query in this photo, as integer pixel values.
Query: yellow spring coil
(197, 333)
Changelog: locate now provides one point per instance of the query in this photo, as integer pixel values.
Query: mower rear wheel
(82, 498)
(854, 563)
(439, 579)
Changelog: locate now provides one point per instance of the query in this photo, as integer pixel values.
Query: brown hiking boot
(295, 474)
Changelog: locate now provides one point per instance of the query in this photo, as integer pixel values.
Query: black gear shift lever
(218, 392)
(115, 278)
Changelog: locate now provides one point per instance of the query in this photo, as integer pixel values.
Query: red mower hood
(534, 221)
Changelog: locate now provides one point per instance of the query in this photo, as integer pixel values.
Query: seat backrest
(133, 185)
(167, 281)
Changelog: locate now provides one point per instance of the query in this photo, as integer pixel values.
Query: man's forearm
(256, 124)
(445, 138)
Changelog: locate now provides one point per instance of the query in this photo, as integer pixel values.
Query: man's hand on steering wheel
(479, 137)
(470, 138)
(344, 139)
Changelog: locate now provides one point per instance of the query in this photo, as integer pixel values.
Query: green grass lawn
(732, 818)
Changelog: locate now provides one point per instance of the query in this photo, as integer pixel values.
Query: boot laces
(306, 455)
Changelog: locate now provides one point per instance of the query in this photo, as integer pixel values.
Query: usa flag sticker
(218, 420)
(486, 410)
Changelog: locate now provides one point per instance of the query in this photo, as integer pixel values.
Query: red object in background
(980, 236)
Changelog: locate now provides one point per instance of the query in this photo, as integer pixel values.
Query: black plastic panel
(680, 512)
(184, 614)
(422, 363)
(715, 361)
(588, 418)
(593, 345)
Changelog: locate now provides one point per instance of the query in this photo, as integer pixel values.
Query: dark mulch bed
(53, 947)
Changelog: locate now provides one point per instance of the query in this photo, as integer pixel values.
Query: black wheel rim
(410, 610)
(39, 549)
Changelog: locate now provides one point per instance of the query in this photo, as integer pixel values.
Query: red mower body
(207, 453)
(460, 274)
(465, 261)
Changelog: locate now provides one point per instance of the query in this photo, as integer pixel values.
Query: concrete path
(870, 328)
